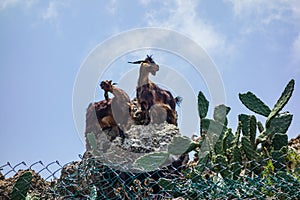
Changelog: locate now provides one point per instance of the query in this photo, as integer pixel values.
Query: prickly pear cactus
(151, 161)
(236, 166)
(254, 104)
(93, 142)
(279, 158)
(220, 113)
(244, 119)
(248, 148)
(221, 165)
(279, 140)
(203, 162)
(179, 145)
(281, 122)
(215, 131)
(166, 184)
(282, 101)
(22, 186)
(252, 129)
(228, 141)
(212, 127)
(237, 134)
(202, 105)
(263, 136)
(260, 126)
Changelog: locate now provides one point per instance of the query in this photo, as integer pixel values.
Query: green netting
(90, 178)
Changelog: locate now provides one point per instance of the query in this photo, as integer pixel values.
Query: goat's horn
(137, 62)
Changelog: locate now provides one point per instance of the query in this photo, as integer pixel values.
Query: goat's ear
(109, 82)
(136, 62)
(101, 84)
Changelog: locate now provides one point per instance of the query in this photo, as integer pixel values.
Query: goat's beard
(153, 73)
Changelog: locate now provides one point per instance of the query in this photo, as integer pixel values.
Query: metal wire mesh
(90, 178)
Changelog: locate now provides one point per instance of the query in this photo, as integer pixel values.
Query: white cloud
(8, 3)
(51, 13)
(296, 49)
(259, 14)
(4, 4)
(181, 15)
(246, 7)
(112, 7)
(265, 12)
(145, 2)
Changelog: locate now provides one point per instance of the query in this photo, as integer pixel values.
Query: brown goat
(160, 113)
(148, 93)
(119, 104)
(100, 114)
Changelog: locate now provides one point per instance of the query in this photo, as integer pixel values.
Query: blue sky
(255, 46)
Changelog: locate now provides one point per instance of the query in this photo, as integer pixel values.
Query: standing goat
(148, 93)
(99, 116)
(119, 105)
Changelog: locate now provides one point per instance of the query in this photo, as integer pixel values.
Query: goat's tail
(178, 100)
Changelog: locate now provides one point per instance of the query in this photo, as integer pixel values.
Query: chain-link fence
(90, 178)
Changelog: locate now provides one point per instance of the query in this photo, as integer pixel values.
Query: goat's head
(148, 65)
(107, 85)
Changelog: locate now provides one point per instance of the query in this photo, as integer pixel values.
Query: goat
(119, 105)
(148, 93)
(99, 117)
(160, 113)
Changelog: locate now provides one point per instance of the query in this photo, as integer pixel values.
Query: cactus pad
(228, 140)
(282, 101)
(248, 148)
(279, 140)
(281, 123)
(202, 105)
(215, 131)
(213, 127)
(243, 119)
(221, 166)
(93, 142)
(252, 129)
(254, 104)
(236, 161)
(260, 126)
(179, 145)
(151, 161)
(220, 113)
(21, 186)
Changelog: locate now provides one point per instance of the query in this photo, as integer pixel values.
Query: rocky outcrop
(139, 140)
(295, 144)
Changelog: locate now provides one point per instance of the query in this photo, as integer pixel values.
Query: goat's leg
(122, 134)
(145, 113)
